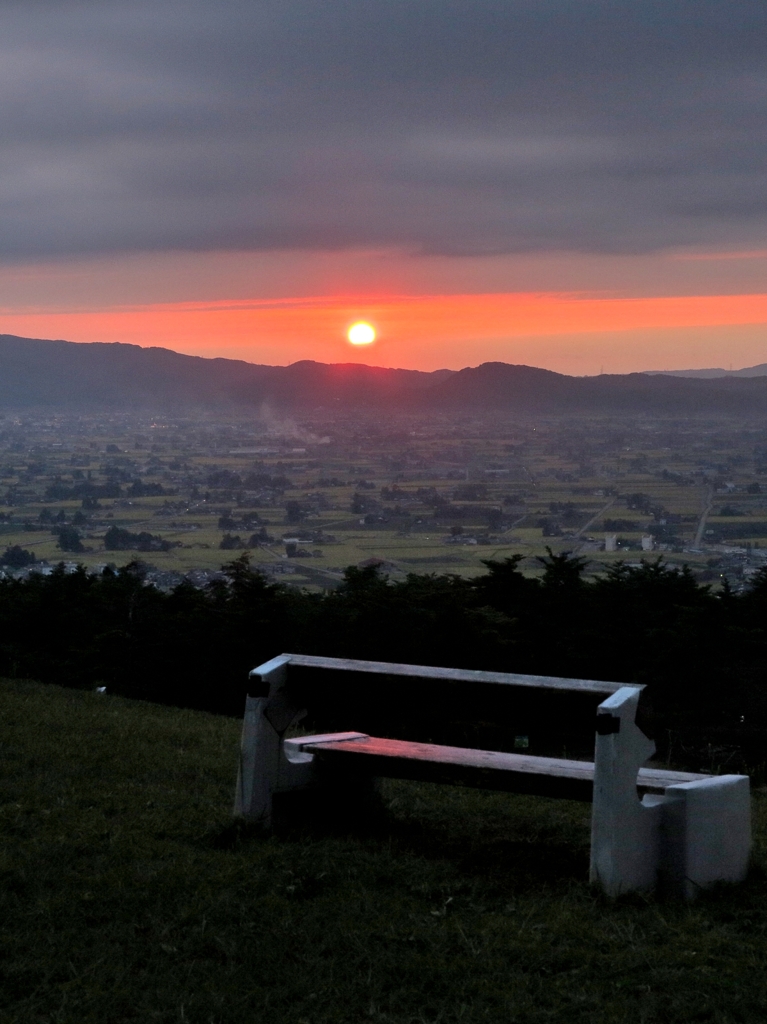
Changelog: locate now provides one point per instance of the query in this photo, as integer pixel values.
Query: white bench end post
(260, 746)
(625, 831)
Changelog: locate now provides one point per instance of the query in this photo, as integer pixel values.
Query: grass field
(128, 895)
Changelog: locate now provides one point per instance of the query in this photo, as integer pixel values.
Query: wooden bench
(686, 830)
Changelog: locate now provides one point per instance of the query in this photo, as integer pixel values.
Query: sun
(361, 334)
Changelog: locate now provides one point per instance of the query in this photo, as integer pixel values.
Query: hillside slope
(128, 896)
(36, 373)
(93, 377)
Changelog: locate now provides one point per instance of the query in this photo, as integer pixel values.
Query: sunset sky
(574, 184)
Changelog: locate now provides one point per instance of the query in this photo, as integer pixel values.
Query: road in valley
(707, 503)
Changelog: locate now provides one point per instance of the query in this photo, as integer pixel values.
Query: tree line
(702, 653)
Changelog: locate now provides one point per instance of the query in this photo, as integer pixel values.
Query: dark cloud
(481, 126)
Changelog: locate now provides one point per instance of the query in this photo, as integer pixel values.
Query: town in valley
(306, 498)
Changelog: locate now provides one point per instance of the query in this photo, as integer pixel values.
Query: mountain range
(36, 374)
(716, 371)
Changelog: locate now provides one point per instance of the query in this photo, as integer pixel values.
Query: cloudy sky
(578, 184)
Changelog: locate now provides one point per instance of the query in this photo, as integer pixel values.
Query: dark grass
(129, 895)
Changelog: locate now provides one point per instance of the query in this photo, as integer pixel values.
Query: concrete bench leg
(264, 768)
(625, 832)
(696, 834)
(259, 762)
(706, 834)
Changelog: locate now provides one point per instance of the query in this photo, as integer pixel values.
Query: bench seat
(482, 769)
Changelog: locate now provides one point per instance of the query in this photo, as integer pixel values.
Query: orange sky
(568, 332)
(575, 313)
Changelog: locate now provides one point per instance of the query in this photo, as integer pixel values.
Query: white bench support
(270, 764)
(624, 831)
(264, 769)
(696, 834)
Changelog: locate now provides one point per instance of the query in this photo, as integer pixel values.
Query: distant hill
(64, 376)
(748, 371)
(527, 389)
(35, 373)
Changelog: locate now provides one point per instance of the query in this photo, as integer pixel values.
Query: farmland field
(307, 500)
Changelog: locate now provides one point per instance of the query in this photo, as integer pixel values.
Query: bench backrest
(459, 707)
